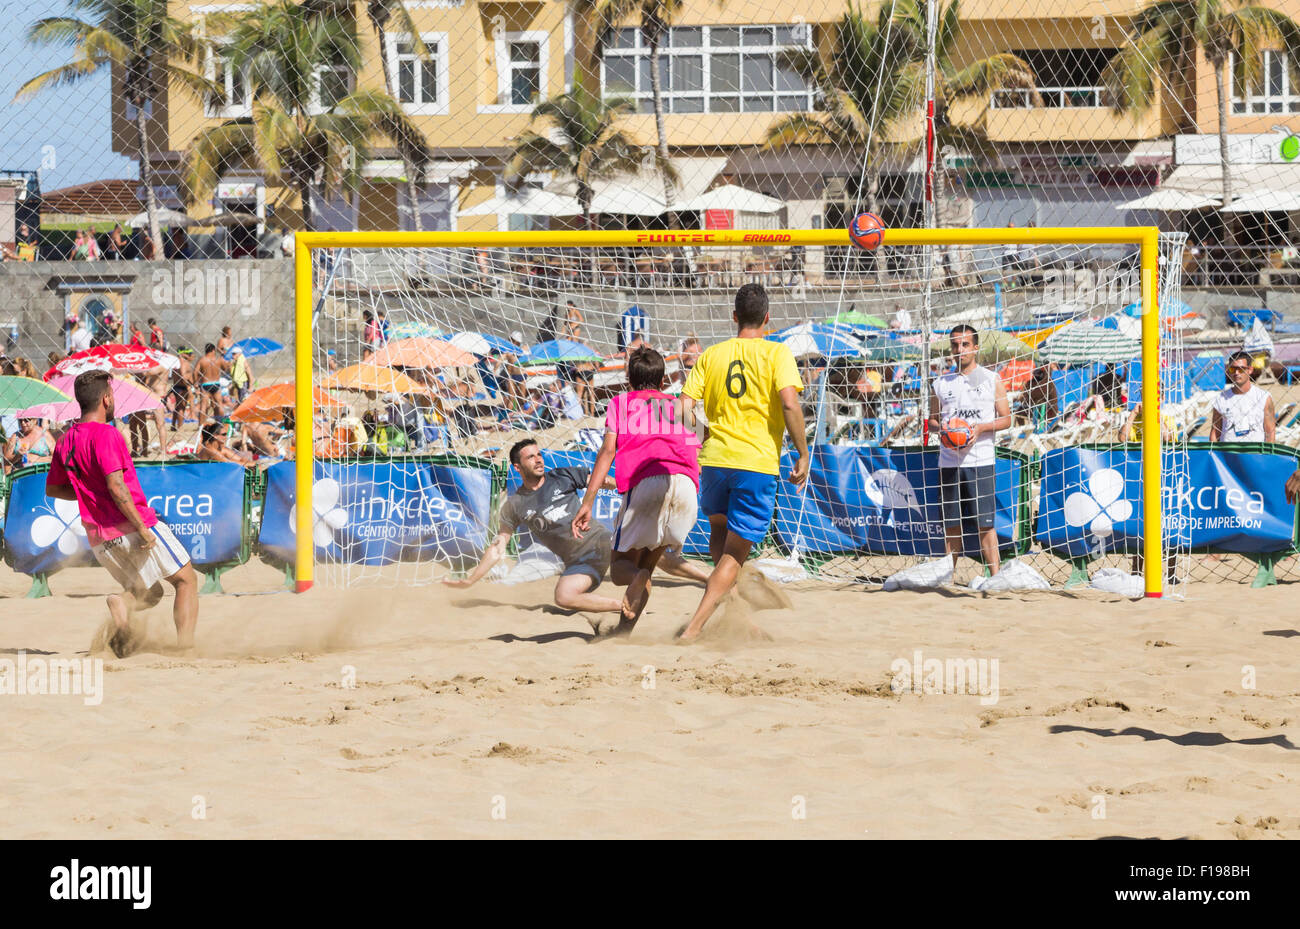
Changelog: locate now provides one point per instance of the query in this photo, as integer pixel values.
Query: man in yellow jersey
(749, 388)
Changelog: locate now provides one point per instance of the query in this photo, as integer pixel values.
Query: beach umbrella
(373, 379)
(733, 198)
(858, 318)
(166, 217)
(268, 404)
(1085, 342)
(997, 346)
(819, 339)
(530, 202)
(252, 347)
(128, 395)
(482, 343)
(113, 357)
(554, 351)
(420, 352)
(1015, 374)
(17, 393)
(890, 351)
(413, 329)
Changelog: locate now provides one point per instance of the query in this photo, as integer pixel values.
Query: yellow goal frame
(1147, 238)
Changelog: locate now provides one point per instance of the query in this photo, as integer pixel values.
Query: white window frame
(438, 44)
(501, 53)
(638, 53)
(1288, 102)
(235, 111)
(314, 106)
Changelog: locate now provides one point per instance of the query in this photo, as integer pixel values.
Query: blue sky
(73, 121)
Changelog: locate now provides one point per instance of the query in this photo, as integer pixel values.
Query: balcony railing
(1053, 97)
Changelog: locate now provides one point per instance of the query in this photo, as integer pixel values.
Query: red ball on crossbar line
(866, 231)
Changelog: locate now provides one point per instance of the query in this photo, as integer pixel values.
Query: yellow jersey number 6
(736, 383)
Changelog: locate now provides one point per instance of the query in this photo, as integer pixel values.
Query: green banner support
(40, 587)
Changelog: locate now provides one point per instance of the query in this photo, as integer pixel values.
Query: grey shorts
(591, 569)
(967, 493)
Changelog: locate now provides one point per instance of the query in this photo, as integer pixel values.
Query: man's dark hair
(519, 447)
(751, 306)
(645, 369)
(211, 431)
(1240, 356)
(90, 387)
(209, 348)
(962, 327)
(152, 321)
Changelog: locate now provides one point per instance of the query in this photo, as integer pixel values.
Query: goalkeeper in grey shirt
(546, 504)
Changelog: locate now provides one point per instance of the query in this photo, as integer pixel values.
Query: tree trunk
(594, 265)
(940, 251)
(1229, 230)
(586, 64)
(655, 41)
(408, 164)
(656, 92)
(304, 193)
(146, 177)
(413, 194)
(873, 206)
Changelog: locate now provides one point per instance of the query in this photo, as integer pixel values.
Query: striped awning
(1084, 343)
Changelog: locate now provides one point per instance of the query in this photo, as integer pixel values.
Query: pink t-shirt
(651, 438)
(86, 455)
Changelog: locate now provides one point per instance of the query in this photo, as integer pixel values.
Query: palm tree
(412, 147)
(587, 40)
(295, 138)
(581, 140)
(1163, 38)
(145, 45)
(869, 88)
(584, 142)
(966, 89)
(654, 17)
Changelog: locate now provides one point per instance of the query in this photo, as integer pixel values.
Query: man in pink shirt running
(656, 465)
(93, 467)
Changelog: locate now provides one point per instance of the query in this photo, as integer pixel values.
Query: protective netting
(157, 158)
(463, 351)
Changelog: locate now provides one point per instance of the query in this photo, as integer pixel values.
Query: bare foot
(636, 597)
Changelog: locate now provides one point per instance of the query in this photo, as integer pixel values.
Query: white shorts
(136, 569)
(660, 510)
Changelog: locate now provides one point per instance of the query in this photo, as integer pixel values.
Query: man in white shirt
(78, 336)
(975, 394)
(1242, 412)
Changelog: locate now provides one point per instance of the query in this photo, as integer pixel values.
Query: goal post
(308, 295)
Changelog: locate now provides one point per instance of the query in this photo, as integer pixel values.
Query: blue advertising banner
(43, 535)
(382, 512)
(1090, 500)
(882, 501)
(202, 502)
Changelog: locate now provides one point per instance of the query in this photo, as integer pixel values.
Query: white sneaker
(925, 576)
(977, 581)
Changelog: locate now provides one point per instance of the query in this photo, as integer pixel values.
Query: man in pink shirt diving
(92, 466)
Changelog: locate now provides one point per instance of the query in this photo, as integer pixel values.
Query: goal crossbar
(1146, 238)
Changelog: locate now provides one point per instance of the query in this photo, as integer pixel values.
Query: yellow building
(1066, 158)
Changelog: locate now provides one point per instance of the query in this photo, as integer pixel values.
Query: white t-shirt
(972, 397)
(1241, 415)
(80, 339)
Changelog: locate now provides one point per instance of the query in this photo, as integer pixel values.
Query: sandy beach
(481, 714)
